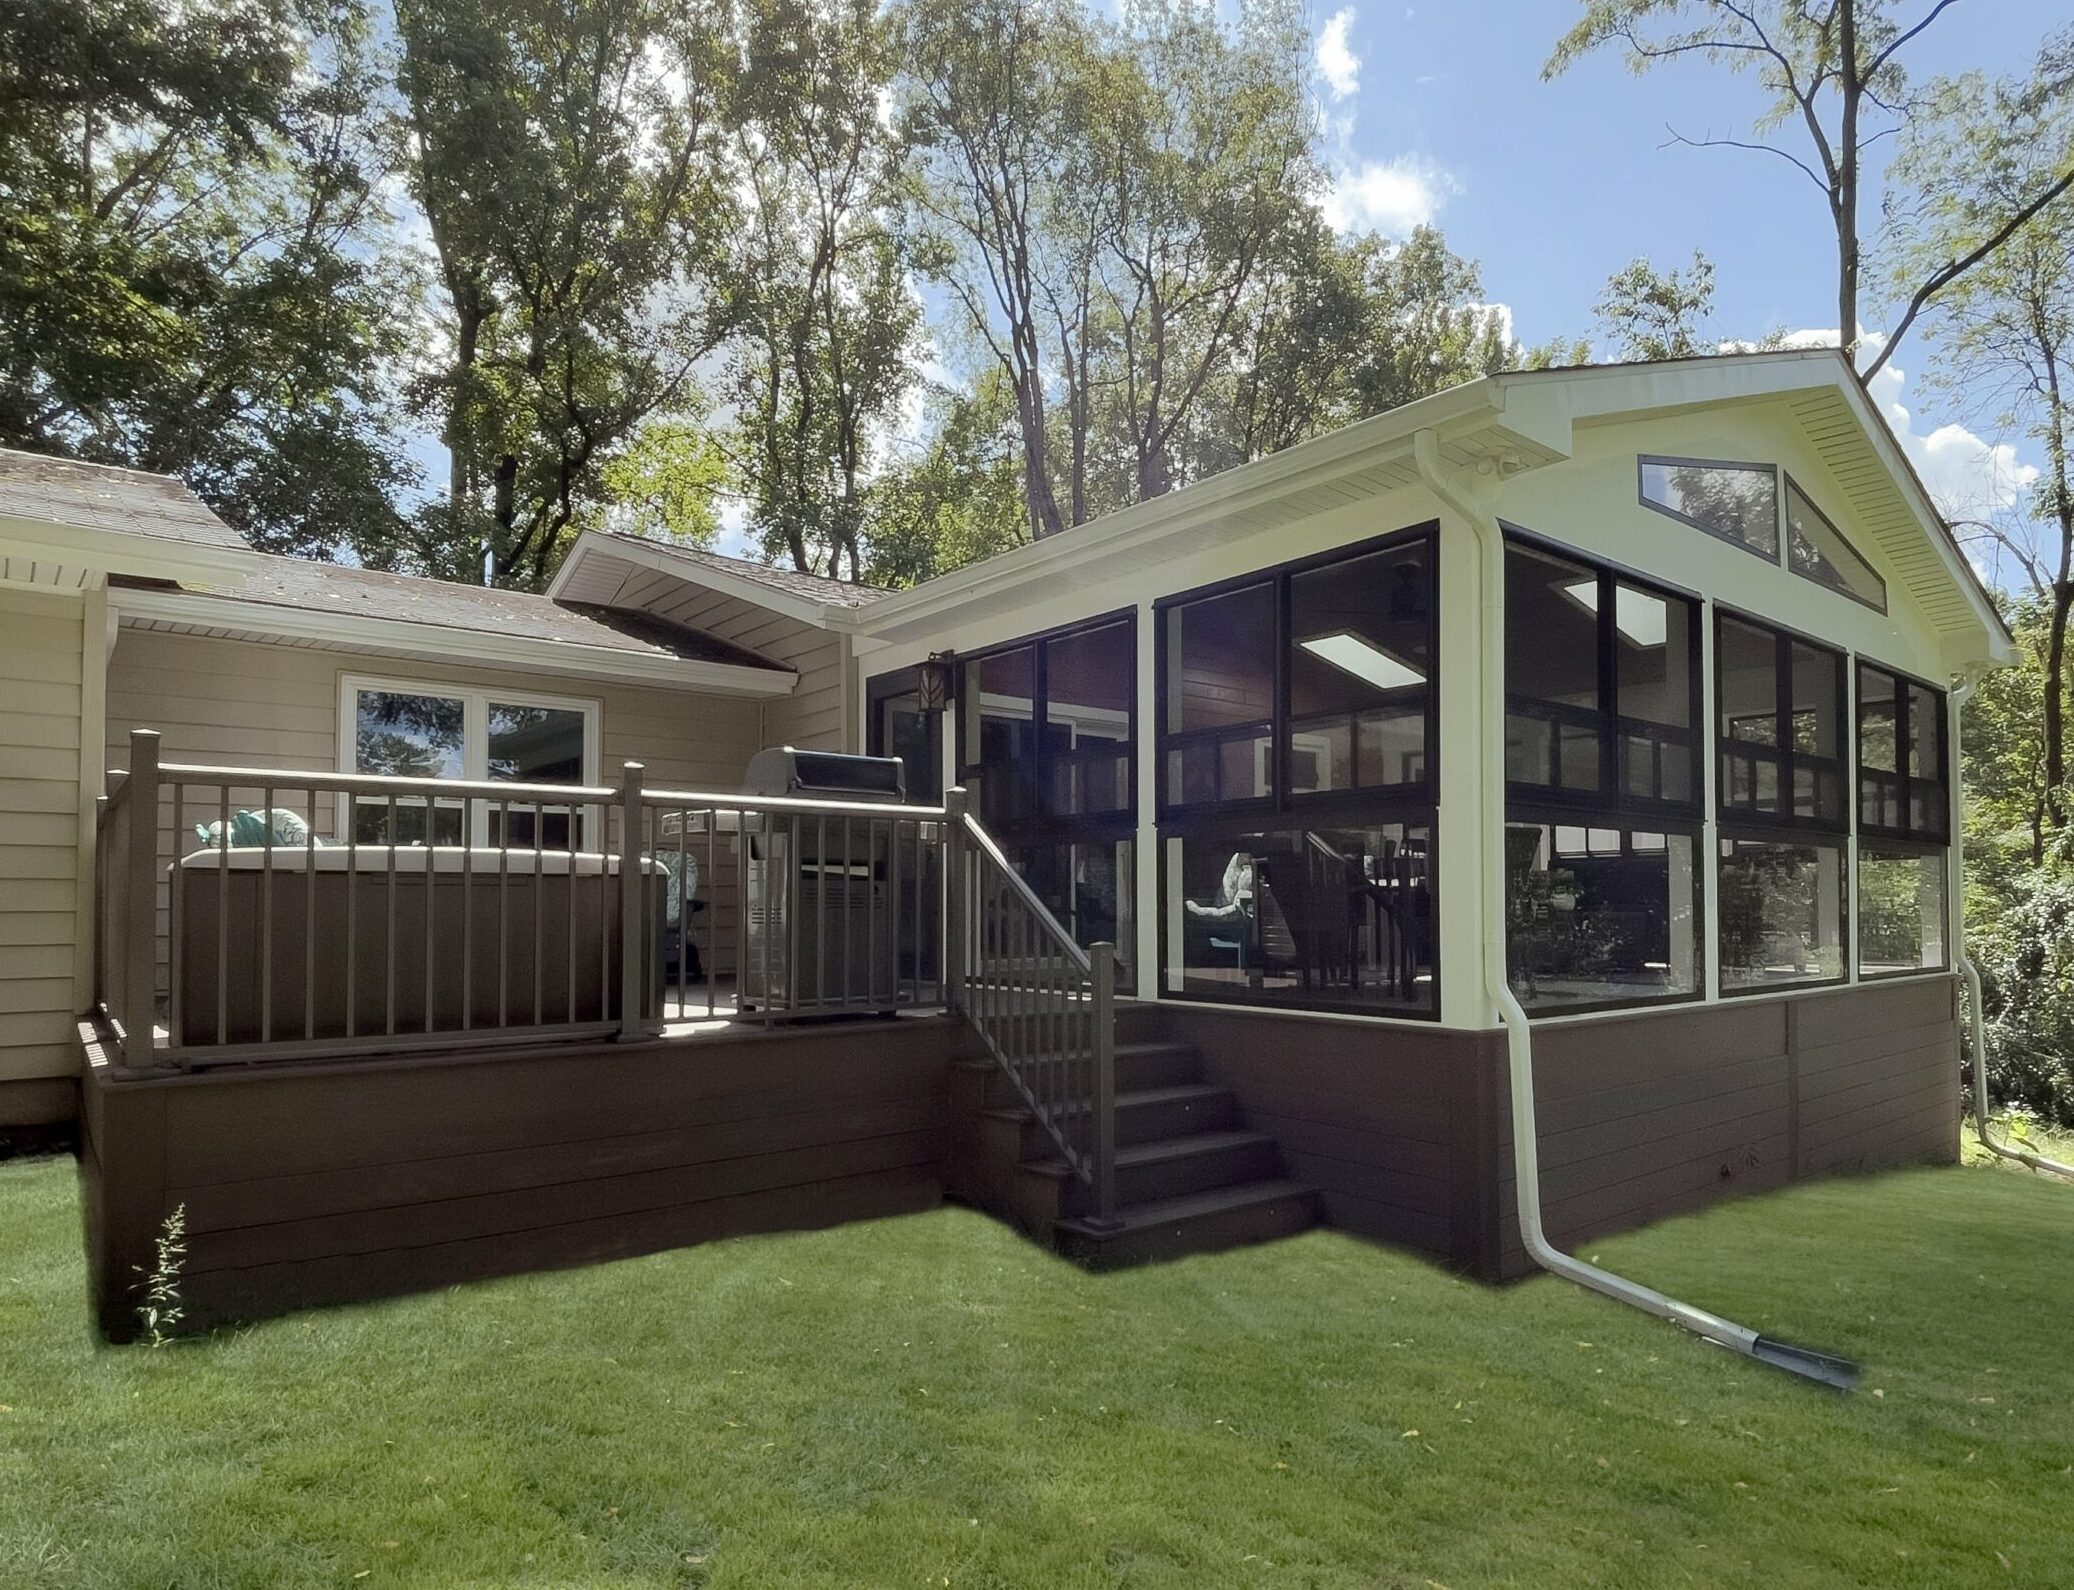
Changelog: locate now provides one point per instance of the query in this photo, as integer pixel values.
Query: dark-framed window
(1816, 550)
(1738, 503)
(1298, 747)
(897, 724)
(1784, 915)
(1603, 784)
(1779, 706)
(1902, 793)
(1903, 908)
(1602, 686)
(1047, 745)
(1308, 686)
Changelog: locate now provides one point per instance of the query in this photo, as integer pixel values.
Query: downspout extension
(1976, 1021)
(1831, 1371)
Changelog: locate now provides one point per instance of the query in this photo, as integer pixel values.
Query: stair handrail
(1064, 1081)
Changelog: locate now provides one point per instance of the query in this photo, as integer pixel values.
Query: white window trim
(475, 727)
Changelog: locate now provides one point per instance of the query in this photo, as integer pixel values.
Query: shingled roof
(347, 591)
(811, 587)
(102, 497)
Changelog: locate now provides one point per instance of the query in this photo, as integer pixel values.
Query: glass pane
(1090, 680)
(1360, 647)
(901, 728)
(997, 701)
(1815, 691)
(1782, 914)
(1221, 684)
(1322, 917)
(1816, 549)
(1739, 502)
(408, 736)
(536, 745)
(1901, 912)
(1552, 670)
(1876, 720)
(1746, 665)
(1925, 744)
(1600, 915)
(1089, 887)
(413, 820)
(1652, 649)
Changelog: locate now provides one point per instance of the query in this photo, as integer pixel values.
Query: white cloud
(1337, 62)
(1387, 196)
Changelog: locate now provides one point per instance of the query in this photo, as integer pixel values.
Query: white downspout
(1976, 1021)
(1519, 1048)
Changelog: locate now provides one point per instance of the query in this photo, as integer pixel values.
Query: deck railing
(1044, 1007)
(249, 913)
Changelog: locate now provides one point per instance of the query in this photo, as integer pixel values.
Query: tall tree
(2007, 328)
(567, 157)
(1832, 73)
(1651, 314)
(192, 277)
(827, 323)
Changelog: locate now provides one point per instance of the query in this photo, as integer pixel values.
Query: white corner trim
(263, 621)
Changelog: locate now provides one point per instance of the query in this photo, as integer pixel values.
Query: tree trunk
(2062, 595)
(1844, 190)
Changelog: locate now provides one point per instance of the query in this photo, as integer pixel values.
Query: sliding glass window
(1602, 764)
(1780, 801)
(1904, 824)
(1297, 748)
(1047, 745)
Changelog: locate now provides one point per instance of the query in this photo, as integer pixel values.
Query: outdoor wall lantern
(933, 684)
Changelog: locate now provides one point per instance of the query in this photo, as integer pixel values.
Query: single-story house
(1603, 715)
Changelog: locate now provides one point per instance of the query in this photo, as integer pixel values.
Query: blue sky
(1437, 112)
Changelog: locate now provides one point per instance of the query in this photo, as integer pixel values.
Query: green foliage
(960, 501)
(160, 1311)
(1647, 314)
(192, 276)
(568, 161)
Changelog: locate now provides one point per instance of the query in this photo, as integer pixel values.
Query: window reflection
(1782, 913)
(1600, 915)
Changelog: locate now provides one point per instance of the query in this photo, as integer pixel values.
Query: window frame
(1393, 801)
(1672, 461)
(1906, 834)
(475, 730)
(1739, 823)
(1612, 797)
(1232, 823)
(1847, 908)
(1790, 487)
(881, 688)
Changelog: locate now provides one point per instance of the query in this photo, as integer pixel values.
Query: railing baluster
(468, 815)
(223, 917)
(631, 877)
(266, 914)
(348, 817)
(309, 918)
(431, 881)
(389, 945)
(176, 911)
(504, 913)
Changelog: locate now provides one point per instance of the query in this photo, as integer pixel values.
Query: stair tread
(1163, 1148)
(1174, 1093)
(1189, 1206)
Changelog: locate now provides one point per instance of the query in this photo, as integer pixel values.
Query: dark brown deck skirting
(323, 1182)
(1407, 1130)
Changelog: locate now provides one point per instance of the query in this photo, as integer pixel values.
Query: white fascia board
(402, 637)
(1472, 406)
(117, 552)
(592, 544)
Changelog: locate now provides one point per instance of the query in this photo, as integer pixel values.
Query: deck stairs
(1191, 1177)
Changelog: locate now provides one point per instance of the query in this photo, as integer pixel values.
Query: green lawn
(931, 1401)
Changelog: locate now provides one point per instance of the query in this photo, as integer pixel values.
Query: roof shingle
(811, 587)
(103, 497)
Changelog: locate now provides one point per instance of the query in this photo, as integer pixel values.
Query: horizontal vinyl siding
(41, 690)
(247, 704)
(817, 713)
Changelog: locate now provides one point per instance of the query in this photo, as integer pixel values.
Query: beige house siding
(818, 713)
(43, 929)
(250, 704)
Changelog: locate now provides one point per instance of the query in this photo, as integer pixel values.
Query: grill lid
(824, 775)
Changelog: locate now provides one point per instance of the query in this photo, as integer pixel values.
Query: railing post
(139, 925)
(956, 930)
(633, 965)
(1102, 970)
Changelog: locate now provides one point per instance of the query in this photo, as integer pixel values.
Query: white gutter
(1519, 1046)
(1955, 909)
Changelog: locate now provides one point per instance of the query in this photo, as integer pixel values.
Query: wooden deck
(313, 1182)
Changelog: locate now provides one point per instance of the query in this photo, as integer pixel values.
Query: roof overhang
(595, 553)
(1480, 424)
(90, 550)
(200, 611)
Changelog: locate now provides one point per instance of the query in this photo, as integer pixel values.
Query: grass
(932, 1401)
